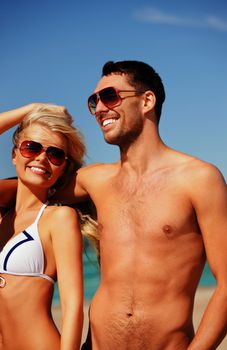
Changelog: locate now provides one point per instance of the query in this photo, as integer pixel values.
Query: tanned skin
(161, 214)
(26, 322)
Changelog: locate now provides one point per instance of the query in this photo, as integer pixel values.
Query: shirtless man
(161, 213)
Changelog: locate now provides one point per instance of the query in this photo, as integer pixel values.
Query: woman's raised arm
(13, 117)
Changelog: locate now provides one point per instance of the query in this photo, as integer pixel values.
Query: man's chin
(111, 140)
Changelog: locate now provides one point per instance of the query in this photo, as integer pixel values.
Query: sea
(92, 277)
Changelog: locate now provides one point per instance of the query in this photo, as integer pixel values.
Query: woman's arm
(9, 119)
(13, 117)
(67, 247)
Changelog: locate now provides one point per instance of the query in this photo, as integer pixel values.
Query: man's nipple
(168, 230)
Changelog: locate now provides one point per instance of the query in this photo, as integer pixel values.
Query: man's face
(122, 123)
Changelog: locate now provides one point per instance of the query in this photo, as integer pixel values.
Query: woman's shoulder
(61, 221)
(60, 212)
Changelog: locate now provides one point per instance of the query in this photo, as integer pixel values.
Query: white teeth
(108, 121)
(38, 170)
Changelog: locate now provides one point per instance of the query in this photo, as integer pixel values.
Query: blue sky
(53, 51)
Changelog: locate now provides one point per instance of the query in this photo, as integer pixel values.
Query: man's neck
(143, 154)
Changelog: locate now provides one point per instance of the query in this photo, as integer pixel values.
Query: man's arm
(8, 189)
(210, 202)
(80, 187)
(74, 192)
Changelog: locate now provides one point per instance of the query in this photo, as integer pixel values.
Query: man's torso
(152, 256)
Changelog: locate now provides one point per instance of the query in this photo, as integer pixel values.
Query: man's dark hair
(141, 76)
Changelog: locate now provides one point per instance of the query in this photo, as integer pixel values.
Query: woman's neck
(29, 198)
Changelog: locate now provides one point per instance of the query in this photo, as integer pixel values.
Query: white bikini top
(23, 254)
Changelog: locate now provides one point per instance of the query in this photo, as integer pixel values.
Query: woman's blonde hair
(89, 229)
(57, 119)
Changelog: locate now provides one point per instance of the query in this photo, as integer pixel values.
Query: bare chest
(149, 206)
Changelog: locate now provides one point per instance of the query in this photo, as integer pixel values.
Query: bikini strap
(41, 211)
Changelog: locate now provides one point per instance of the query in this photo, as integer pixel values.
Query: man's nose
(100, 107)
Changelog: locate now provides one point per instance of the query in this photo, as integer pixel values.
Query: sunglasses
(30, 149)
(109, 96)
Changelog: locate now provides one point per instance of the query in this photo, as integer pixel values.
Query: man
(161, 213)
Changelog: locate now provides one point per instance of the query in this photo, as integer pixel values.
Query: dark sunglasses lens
(30, 148)
(92, 103)
(55, 155)
(109, 97)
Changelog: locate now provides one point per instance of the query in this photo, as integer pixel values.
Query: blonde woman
(41, 243)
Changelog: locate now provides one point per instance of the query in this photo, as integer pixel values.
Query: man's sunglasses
(29, 149)
(109, 96)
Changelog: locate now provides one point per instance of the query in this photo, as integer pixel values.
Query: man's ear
(13, 156)
(149, 100)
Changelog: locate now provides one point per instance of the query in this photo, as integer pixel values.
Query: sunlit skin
(39, 171)
(115, 123)
(156, 228)
(25, 302)
(161, 213)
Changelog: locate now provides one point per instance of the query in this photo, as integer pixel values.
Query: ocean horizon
(92, 278)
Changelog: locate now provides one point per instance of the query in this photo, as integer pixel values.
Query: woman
(39, 242)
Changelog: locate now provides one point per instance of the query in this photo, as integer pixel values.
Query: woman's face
(39, 170)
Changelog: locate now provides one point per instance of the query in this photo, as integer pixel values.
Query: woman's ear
(14, 156)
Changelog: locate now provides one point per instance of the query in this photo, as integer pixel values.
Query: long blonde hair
(57, 120)
(88, 223)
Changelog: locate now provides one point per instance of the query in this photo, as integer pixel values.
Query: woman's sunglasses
(109, 96)
(29, 149)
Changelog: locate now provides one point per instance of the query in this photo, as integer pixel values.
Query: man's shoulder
(201, 168)
(199, 172)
